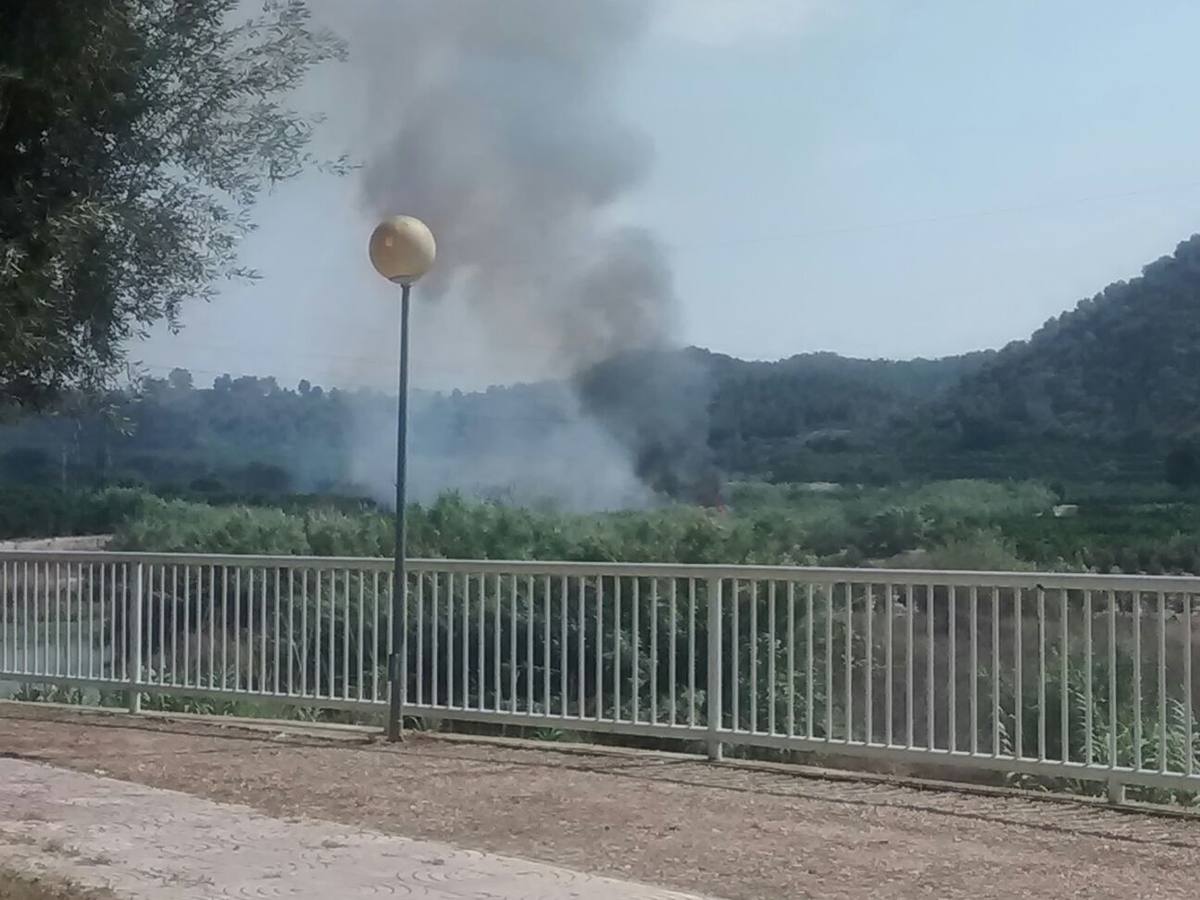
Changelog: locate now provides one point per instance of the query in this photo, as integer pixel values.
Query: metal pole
(713, 682)
(135, 685)
(397, 664)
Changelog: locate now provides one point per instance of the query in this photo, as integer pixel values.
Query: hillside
(1122, 369)
(763, 413)
(809, 417)
(1106, 391)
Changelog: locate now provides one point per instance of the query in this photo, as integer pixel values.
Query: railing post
(1116, 792)
(713, 683)
(135, 687)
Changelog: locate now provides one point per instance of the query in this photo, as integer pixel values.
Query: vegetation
(1121, 369)
(135, 137)
(766, 525)
(955, 525)
(33, 512)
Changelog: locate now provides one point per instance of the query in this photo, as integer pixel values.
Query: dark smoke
(656, 404)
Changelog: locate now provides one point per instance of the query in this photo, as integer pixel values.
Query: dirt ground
(724, 831)
(19, 886)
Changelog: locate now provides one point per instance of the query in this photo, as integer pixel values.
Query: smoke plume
(495, 123)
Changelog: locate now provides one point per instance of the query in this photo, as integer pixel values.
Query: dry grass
(19, 886)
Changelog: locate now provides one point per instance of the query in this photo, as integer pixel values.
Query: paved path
(146, 842)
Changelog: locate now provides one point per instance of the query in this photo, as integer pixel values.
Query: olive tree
(135, 138)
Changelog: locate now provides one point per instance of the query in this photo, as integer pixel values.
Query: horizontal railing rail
(1072, 676)
(815, 574)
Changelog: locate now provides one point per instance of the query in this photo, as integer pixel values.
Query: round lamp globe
(402, 249)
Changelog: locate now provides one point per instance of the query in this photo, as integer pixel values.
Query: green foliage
(175, 526)
(31, 512)
(135, 137)
(1182, 467)
(819, 528)
(1122, 371)
(459, 528)
(1090, 715)
(31, 464)
(28, 512)
(975, 502)
(946, 525)
(34, 693)
(980, 551)
(243, 436)
(1154, 536)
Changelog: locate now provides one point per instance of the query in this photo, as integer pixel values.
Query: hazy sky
(896, 179)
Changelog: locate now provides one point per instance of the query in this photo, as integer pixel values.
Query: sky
(878, 178)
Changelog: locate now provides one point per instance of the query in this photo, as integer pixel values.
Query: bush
(983, 551)
(176, 526)
(27, 512)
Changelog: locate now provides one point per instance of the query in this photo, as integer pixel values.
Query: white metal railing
(1072, 676)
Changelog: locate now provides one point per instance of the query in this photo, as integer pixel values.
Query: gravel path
(721, 831)
(142, 842)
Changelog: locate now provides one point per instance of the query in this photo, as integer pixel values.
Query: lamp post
(402, 249)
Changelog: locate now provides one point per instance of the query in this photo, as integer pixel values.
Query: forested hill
(801, 418)
(689, 416)
(822, 394)
(1121, 369)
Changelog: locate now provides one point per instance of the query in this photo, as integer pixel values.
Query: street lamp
(402, 249)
